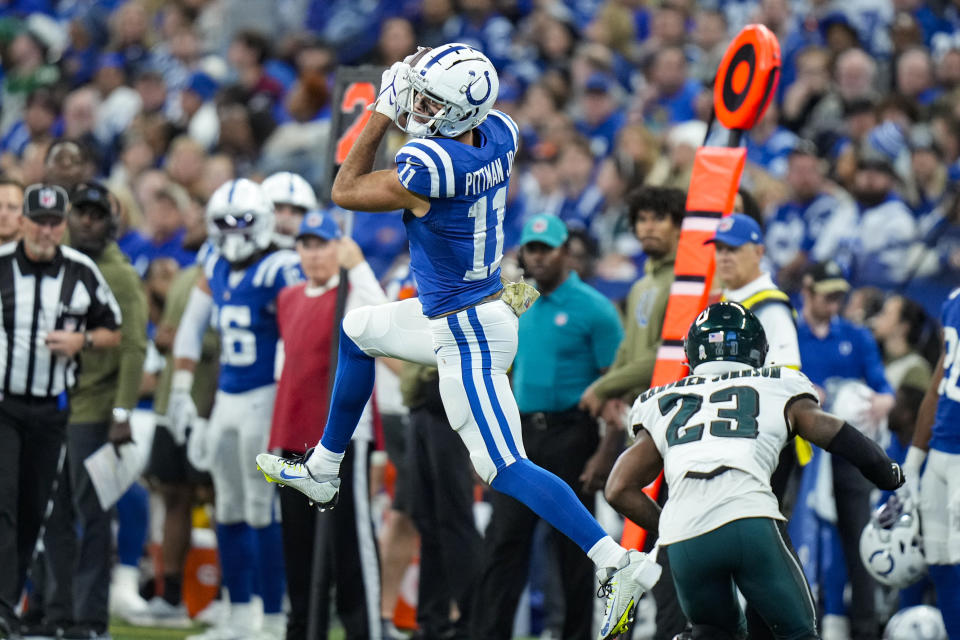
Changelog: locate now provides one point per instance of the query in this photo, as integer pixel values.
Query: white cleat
(293, 473)
(622, 587)
(163, 614)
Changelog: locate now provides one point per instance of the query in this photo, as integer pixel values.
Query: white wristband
(182, 380)
(914, 460)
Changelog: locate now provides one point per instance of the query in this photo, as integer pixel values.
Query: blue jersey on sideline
(946, 425)
(245, 316)
(456, 248)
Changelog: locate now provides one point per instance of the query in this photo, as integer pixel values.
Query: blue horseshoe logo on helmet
(471, 99)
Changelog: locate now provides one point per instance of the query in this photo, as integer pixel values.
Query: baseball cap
(598, 82)
(202, 85)
(319, 224)
(91, 193)
(827, 277)
(44, 200)
(737, 230)
(550, 230)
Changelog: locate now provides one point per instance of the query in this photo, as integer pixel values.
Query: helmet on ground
(239, 219)
(460, 80)
(726, 331)
(285, 187)
(893, 554)
(922, 622)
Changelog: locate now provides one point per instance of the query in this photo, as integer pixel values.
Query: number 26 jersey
(245, 315)
(456, 248)
(720, 437)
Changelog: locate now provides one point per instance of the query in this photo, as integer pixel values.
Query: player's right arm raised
(357, 187)
(841, 438)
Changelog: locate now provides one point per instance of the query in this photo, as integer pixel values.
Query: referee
(54, 304)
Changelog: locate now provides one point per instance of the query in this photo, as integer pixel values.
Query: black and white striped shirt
(68, 293)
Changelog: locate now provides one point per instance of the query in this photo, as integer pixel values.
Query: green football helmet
(726, 331)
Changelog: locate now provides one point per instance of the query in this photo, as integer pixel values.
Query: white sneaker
(293, 473)
(164, 614)
(214, 614)
(125, 600)
(622, 587)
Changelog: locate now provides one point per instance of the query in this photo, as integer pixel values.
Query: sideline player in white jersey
(938, 432)
(451, 181)
(717, 436)
(292, 196)
(238, 293)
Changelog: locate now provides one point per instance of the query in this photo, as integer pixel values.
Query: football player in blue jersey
(451, 181)
(937, 439)
(243, 276)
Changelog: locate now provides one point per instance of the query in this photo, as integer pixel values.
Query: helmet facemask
(236, 234)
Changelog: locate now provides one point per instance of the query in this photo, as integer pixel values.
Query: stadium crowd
(852, 179)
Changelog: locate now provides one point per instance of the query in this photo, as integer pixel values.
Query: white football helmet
(922, 622)
(460, 79)
(285, 187)
(893, 554)
(239, 219)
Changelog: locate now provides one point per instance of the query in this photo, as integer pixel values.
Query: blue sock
(237, 546)
(272, 576)
(133, 514)
(352, 387)
(550, 498)
(946, 579)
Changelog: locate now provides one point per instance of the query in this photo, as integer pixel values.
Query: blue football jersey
(245, 315)
(455, 249)
(946, 426)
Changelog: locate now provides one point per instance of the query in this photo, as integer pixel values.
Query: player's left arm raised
(358, 188)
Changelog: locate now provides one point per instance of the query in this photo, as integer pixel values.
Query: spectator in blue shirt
(602, 117)
(567, 339)
(671, 95)
(165, 235)
(833, 349)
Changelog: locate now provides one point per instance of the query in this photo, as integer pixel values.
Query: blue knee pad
(550, 498)
(352, 387)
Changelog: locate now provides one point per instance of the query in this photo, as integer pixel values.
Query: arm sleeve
(607, 334)
(781, 336)
(133, 338)
(104, 312)
(188, 342)
(873, 371)
(635, 374)
(364, 288)
(867, 456)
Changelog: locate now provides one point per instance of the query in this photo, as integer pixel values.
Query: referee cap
(45, 200)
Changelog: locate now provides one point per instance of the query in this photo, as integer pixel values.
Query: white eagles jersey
(720, 437)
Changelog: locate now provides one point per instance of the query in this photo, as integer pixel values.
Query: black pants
(78, 539)
(351, 562)
(852, 494)
(561, 443)
(441, 505)
(31, 440)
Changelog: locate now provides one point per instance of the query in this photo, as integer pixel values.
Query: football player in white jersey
(451, 181)
(292, 196)
(717, 436)
(237, 295)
